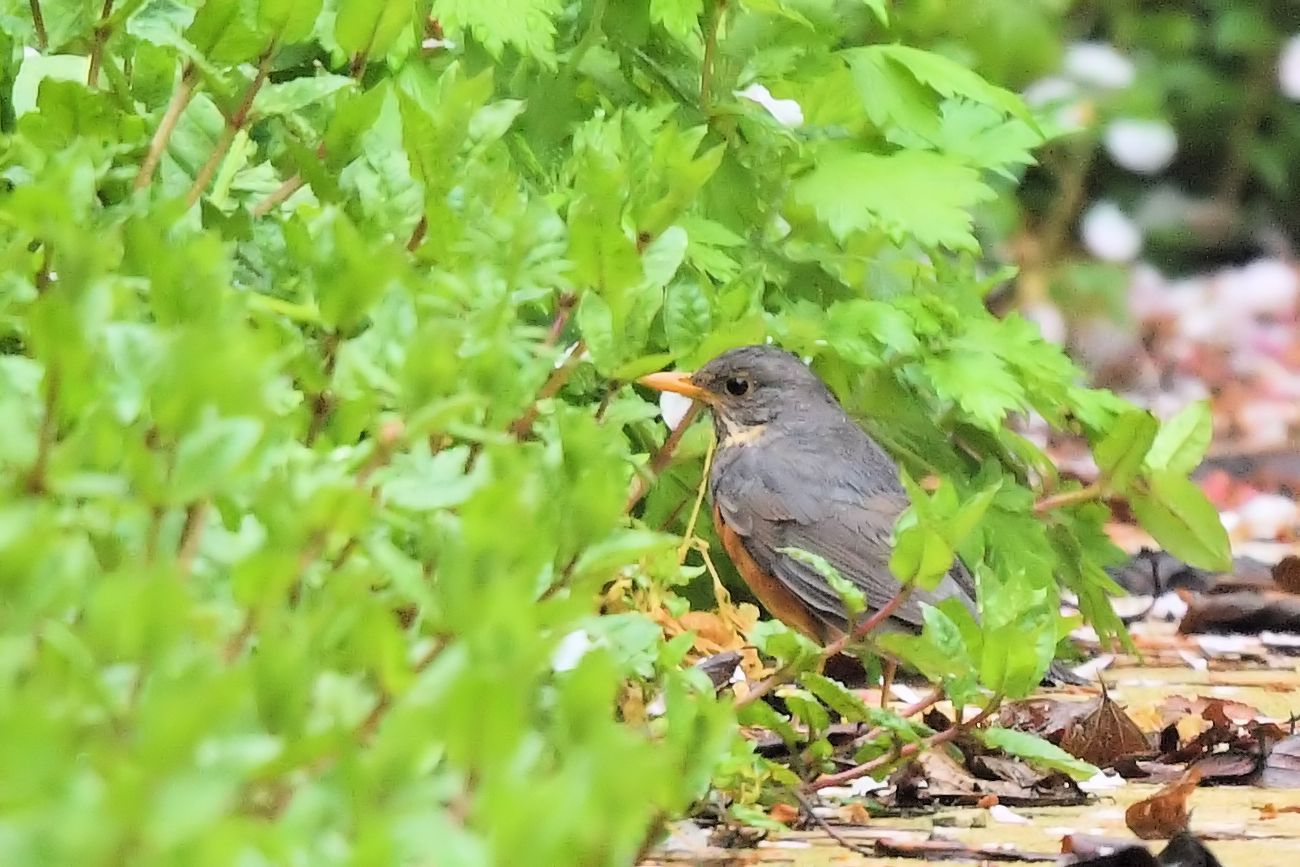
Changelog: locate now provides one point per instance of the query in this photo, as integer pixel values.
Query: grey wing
(848, 526)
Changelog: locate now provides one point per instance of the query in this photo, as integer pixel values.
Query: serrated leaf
(1176, 512)
(688, 318)
(1120, 453)
(1181, 443)
(596, 322)
(837, 697)
(525, 25)
(910, 193)
(681, 18)
(1036, 751)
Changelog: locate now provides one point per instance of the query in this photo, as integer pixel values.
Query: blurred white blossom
(571, 649)
(786, 111)
(1142, 146)
(673, 407)
(1288, 68)
(1099, 64)
(1109, 234)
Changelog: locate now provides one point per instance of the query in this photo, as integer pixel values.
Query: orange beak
(679, 383)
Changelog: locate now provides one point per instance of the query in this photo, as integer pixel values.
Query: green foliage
(315, 531)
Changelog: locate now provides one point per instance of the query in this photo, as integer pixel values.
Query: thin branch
(278, 196)
(38, 22)
(712, 22)
(417, 235)
(322, 403)
(661, 458)
(36, 477)
(97, 45)
(191, 535)
(787, 673)
(828, 828)
(523, 425)
(1095, 491)
(233, 125)
(699, 502)
(158, 144)
(858, 771)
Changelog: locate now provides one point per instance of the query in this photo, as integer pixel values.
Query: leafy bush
(317, 321)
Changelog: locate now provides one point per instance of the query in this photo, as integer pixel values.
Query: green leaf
(1036, 751)
(596, 322)
(775, 639)
(946, 77)
(837, 697)
(854, 600)
(1182, 440)
(295, 95)
(681, 18)
(1176, 512)
(1120, 453)
(879, 9)
(688, 316)
(369, 27)
(525, 25)
(910, 193)
(663, 256)
(224, 33)
(287, 21)
(207, 457)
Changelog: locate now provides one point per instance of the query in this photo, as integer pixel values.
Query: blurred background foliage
(328, 532)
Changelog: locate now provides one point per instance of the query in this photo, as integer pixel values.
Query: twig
(36, 477)
(322, 403)
(661, 458)
(788, 672)
(713, 20)
(563, 310)
(921, 705)
(97, 44)
(1085, 494)
(827, 780)
(191, 535)
(417, 235)
(38, 22)
(233, 124)
(158, 144)
(278, 196)
(827, 827)
(523, 425)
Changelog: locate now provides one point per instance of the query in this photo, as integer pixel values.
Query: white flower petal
(673, 407)
(1099, 64)
(1109, 234)
(571, 649)
(786, 111)
(1288, 68)
(1142, 146)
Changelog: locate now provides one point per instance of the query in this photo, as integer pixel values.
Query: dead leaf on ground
(1106, 735)
(1165, 813)
(1046, 717)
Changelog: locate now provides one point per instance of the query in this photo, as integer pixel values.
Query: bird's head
(748, 388)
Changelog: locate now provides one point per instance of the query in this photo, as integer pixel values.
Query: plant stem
(827, 780)
(36, 477)
(712, 21)
(661, 458)
(523, 425)
(417, 235)
(97, 46)
(38, 23)
(158, 144)
(278, 196)
(191, 535)
(787, 673)
(234, 124)
(1094, 491)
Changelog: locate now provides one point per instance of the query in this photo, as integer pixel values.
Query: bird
(792, 469)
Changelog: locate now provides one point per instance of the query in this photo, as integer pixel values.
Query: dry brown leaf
(1106, 735)
(1165, 813)
(786, 814)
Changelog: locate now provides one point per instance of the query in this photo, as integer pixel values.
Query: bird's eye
(736, 387)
